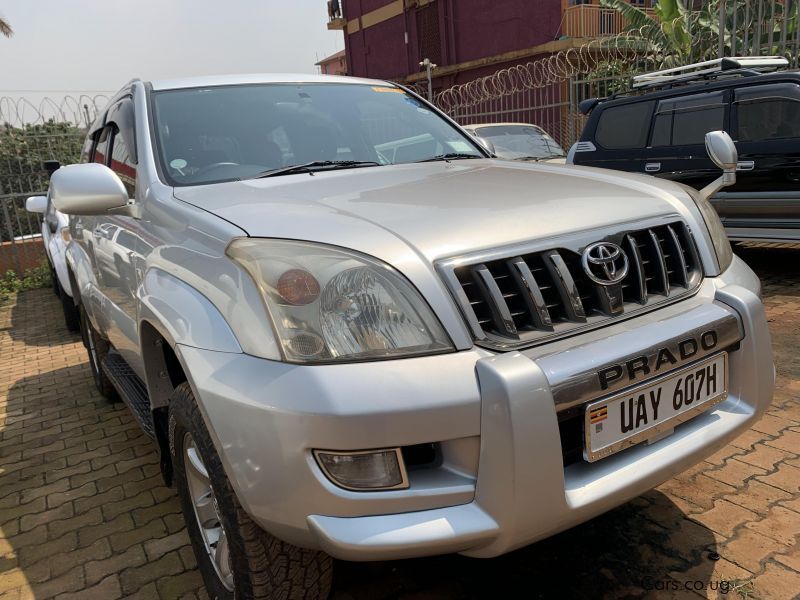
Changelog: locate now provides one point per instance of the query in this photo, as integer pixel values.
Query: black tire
(263, 567)
(71, 317)
(97, 348)
(56, 286)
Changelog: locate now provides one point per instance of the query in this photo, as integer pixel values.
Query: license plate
(653, 408)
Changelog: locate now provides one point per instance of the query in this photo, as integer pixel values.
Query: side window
(122, 161)
(768, 112)
(101, 148)
(86, 151)
(686, 120)
(126, 240)
(625, 127)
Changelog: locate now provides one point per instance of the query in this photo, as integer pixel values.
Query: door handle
(653, 167)
(745, 165)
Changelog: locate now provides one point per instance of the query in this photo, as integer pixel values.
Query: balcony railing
(593, 20)
(336, 18)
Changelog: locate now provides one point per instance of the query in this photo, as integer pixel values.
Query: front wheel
(236, 558)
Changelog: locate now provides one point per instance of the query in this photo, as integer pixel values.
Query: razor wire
(632, 52)
(79, 110)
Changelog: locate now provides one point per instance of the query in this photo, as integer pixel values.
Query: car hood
(436, 209)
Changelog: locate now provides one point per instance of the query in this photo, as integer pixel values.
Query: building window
(430, 40)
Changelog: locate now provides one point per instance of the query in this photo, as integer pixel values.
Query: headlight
(330, 304)
(722, 246)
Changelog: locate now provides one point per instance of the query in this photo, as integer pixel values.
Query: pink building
(335, 64)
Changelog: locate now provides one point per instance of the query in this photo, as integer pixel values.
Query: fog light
(364, 470)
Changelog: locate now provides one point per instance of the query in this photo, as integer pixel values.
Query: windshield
(207, 135)
(521, 141)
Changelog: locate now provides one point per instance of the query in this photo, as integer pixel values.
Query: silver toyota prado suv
(353, 333)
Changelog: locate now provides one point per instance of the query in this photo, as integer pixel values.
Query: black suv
(661, 131)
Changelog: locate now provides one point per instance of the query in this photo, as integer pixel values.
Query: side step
(132, 389)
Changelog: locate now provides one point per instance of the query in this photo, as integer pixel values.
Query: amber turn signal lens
(298, 287)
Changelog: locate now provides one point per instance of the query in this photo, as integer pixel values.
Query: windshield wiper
(314, 165)
(450, 156)
(538, 158)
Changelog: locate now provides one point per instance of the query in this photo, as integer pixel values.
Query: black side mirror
(51, 166)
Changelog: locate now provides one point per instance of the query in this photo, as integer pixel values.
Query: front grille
(518, 299)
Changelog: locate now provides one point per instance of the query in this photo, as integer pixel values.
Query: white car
(55, 236)
(519, 141)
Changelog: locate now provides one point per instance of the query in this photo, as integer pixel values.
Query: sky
(66, 46)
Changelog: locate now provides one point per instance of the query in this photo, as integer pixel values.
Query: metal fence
(547, 90)
(32, 132)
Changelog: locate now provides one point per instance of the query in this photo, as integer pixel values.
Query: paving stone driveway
(83, 513)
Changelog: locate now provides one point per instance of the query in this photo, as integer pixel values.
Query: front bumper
(501, 482)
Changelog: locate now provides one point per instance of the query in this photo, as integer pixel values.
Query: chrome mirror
(87, 189)
(722, 151)
(36, 204)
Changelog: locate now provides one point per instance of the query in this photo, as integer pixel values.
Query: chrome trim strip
(567, 290)
(533, 299)
(670, 423)
(573, 375)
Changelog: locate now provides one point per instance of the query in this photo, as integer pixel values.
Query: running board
(132, 389)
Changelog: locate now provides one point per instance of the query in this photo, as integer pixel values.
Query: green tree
(676, 34)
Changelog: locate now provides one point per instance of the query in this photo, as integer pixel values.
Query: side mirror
(722, 151)
(36, 204)
(87, 189)
(51, 166)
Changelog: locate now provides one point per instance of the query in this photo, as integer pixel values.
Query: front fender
(83, 286)
(182, 315)
(56, 249)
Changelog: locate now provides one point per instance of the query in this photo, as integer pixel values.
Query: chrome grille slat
(567, 290)
(540, 317)
(661, 265)
(637, 268)
(518, 299)
(679, 252)
(497, 304)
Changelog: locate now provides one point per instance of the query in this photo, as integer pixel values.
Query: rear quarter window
(768, 112)
(626, 126)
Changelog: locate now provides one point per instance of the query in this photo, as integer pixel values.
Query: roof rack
(743, 65)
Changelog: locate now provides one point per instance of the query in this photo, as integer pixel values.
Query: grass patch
(34, 278)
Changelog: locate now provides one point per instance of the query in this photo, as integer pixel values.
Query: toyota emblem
(605, 263)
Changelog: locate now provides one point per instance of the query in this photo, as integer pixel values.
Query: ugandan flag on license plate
(597, 416)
